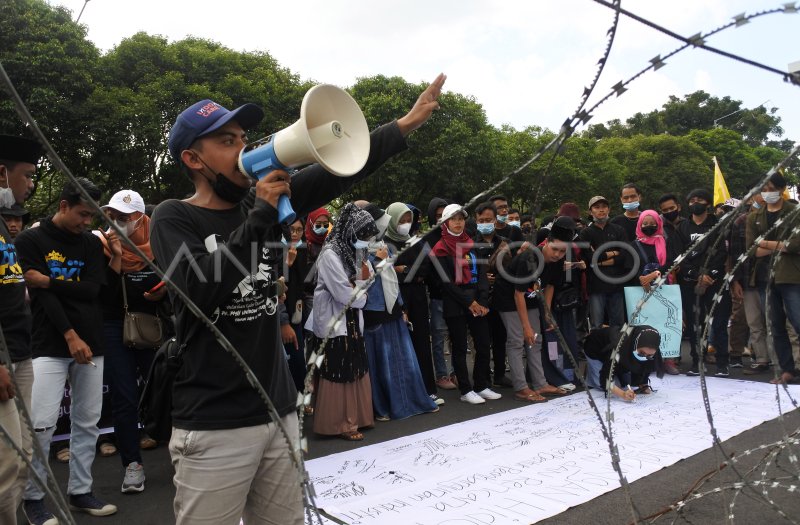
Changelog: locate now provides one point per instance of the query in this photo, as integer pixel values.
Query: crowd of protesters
(383, 291)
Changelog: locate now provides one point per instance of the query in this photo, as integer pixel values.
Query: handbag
(566, 299)
(140, 330)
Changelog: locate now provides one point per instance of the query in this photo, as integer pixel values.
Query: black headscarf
(353, 224)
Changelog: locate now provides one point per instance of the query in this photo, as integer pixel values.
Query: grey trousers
(13, 470)
(224, 475)
(516, 349)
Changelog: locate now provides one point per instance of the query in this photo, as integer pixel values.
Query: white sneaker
(436, 399)
(569, 387)
(488, 393)
(472, 398)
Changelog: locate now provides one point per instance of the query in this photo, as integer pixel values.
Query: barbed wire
(581, 116)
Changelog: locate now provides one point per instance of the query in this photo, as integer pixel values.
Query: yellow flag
(721, 193)
(785, 194)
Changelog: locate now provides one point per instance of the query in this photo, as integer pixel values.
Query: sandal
(530, 397)
(355, 435)
(786, 378)
(107, 449)
(62, 456)
(147, 443)
(551, 391)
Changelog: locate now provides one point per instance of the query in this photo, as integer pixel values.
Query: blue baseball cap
(204, 117)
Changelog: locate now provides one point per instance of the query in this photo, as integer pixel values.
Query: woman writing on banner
(344, 392)
(639, 356)
(131, 275)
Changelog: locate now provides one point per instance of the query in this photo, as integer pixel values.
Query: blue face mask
(486, 228)
(360, 245)
(319, 230)
(756, 205)
(630, 206)
(502, 218)
(642, 358)
(514, 223)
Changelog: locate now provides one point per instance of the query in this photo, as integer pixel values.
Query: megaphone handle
(286, 214)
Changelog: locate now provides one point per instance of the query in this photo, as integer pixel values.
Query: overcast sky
(526, 62)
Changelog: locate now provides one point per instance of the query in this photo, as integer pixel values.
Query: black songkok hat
(563, 229)
(19, 149)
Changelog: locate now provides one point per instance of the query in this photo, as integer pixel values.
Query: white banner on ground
(530, 463)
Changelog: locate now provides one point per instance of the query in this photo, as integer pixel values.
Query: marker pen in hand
(629, 390)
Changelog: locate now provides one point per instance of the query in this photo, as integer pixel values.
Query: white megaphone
(331, 131)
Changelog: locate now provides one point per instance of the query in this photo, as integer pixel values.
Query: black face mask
(671, 215)
(526, 230)
(698, 208)
(225, 189)
(649, 230)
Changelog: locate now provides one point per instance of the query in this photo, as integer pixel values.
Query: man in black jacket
(701, 274)
(64, 269)
(221, 425)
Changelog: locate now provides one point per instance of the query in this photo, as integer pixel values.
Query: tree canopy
(108, 115)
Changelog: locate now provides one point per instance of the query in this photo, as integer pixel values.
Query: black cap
(563, 229)
(19, 149)
(16, 210)
(700, 193)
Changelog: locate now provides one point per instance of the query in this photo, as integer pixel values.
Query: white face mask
(404, 229)
(771, 197)
(127, 227)
(7, 199)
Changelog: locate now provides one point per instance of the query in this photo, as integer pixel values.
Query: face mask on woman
(649, 230)
(404, 229)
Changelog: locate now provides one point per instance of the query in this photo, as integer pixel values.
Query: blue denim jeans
(86, 385)
(123, 367)
(784, 304)
(438, 333)
(612, 304)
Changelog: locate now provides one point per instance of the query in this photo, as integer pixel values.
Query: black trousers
(416, 303)
(498, 337)
(479, 330)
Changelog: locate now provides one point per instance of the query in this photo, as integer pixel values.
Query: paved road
(651, 494)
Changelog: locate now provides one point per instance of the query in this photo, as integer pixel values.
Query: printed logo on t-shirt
(254, 295)
(63, 269)
(10, 270)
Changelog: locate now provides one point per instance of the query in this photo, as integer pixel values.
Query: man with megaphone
(207, 245)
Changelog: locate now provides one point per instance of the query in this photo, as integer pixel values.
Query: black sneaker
(37, 513)
(722, 371)
(695, 369)
(736, 362)
(89, 504)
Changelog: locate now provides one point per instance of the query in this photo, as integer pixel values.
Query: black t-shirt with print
(77, 269)
(15, 314)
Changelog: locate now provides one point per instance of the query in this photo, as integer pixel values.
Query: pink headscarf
(656, 239)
